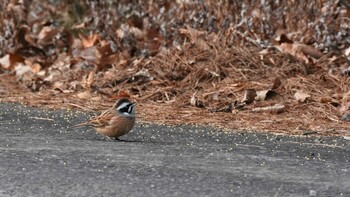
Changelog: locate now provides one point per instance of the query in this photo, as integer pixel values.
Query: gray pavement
(40, 157)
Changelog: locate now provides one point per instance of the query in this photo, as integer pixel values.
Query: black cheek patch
(127, 109)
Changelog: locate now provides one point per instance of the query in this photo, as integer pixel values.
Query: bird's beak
(134, 104)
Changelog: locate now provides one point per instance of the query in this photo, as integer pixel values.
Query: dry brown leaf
(283, 37)
(294, 50)
(311, 51)
(96, 98)
(122, 63)
(47, 35)
(228, 108)
(237, 106)
(84, 95)
(120, 33)
(325, 99)
(87, 80)
(58, 85)
(249, 96)
(191, 32)
(8, 61)
(21, 69)
(277, 108)
(35, 67)
(196, 37)
(276, 83)
(194, 101)
(264, 52)
(301, 96)
(345, 106)
(238, 87)
(345, 102)
(347, 52)
(89, 41)
(75, 85)
(142, 76)
(5, 61)
(90, 54)
(202, 44)
(65, 91)
(54, 75)
(153, 45)
(272, 61)
(338, 95)
(25, 75)
(215, 96)
(300, 51)
(332, 101)
(77, 44)
(264, 95)
(177, 45)
(79, 26)
(138, 33)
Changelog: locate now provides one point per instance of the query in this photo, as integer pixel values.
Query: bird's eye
(124, 109)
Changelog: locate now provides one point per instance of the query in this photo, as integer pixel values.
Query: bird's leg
(108, 138)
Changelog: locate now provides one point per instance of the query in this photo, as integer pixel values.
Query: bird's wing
(102, 120)
(99, 121)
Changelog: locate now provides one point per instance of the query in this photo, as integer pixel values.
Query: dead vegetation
(280, 66)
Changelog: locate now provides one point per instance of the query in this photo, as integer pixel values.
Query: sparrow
(115, 121)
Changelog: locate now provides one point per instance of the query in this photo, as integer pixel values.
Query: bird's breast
(117, 126)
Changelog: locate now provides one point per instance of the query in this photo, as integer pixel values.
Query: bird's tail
(84, 124)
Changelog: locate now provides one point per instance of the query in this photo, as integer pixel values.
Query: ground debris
(206, 63)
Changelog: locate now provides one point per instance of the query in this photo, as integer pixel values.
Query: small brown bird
(116, 121)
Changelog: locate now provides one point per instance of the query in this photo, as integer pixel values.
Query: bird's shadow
(124, 140)
(106, 139)
(143, 141)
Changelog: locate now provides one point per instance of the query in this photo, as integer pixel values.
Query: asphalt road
(40, 157)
